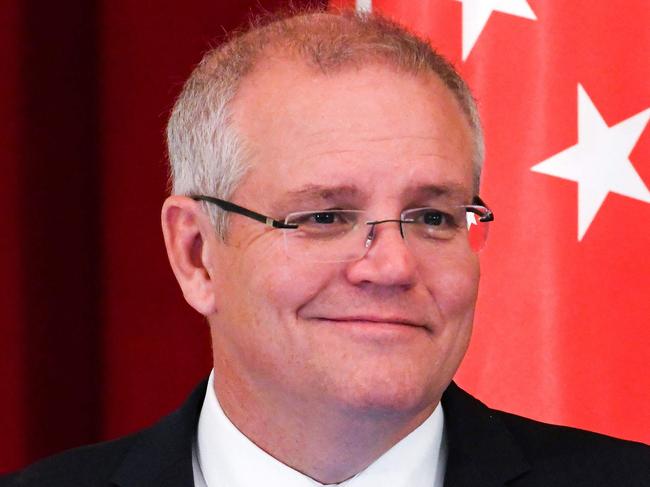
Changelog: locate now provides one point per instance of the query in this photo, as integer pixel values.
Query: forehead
(370, 129)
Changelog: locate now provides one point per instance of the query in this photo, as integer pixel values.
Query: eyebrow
(448, 191)
(312, 191)
(314, 195)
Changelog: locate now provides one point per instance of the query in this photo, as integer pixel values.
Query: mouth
(376, 324)
(373, 319)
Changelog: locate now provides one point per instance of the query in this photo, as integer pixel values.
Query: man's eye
(324, 217)
(437, 218)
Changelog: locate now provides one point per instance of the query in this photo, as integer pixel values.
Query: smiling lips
(378, 320)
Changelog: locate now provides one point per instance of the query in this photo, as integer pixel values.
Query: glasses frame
(271, 222)
(228, 206)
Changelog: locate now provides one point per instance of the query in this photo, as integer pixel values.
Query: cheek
(264, 334)
(290, 285)
(455, 290)
(274, 286)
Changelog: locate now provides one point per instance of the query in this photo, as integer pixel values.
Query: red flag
(562, 331)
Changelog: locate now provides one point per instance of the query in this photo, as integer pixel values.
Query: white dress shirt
(223, 457)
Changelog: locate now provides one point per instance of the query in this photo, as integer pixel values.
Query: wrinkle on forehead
(318, 143)
(397, 137)
(325, 191)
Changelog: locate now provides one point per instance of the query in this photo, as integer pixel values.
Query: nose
(388, 261)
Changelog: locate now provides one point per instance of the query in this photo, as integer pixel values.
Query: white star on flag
(599, 162)
(471, 219)
(477, 12)
(363, 5)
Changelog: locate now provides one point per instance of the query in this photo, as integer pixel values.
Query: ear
(189, 236)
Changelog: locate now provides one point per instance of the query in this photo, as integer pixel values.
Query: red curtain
(95, 338)
(562, 332)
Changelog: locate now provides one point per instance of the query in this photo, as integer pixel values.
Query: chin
(389, 393)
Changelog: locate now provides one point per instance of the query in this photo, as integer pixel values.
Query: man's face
(386, 332)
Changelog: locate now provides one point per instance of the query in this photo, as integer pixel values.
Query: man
(325, 218)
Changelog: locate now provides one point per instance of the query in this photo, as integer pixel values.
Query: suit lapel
(161, 456)
(481, 450)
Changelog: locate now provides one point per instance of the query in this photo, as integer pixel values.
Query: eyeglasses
(346, 235)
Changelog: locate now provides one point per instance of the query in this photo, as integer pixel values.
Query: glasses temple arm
(233, 208)
(489, 216)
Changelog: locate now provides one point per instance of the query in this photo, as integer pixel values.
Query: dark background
(96, 340)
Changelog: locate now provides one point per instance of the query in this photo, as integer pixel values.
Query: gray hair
(208, 156)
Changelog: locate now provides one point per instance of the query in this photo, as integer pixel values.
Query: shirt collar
(224, 457)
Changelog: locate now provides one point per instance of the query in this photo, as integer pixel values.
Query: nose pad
(373, 231)
(370, 237)
(387, 263)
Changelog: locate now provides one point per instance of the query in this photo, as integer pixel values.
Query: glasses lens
(342, 235)
(435, 229)
(477, 230)
(326, 236)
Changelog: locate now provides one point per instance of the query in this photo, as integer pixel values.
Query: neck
(319, 438)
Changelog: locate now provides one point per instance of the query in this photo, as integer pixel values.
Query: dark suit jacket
(486, 448)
